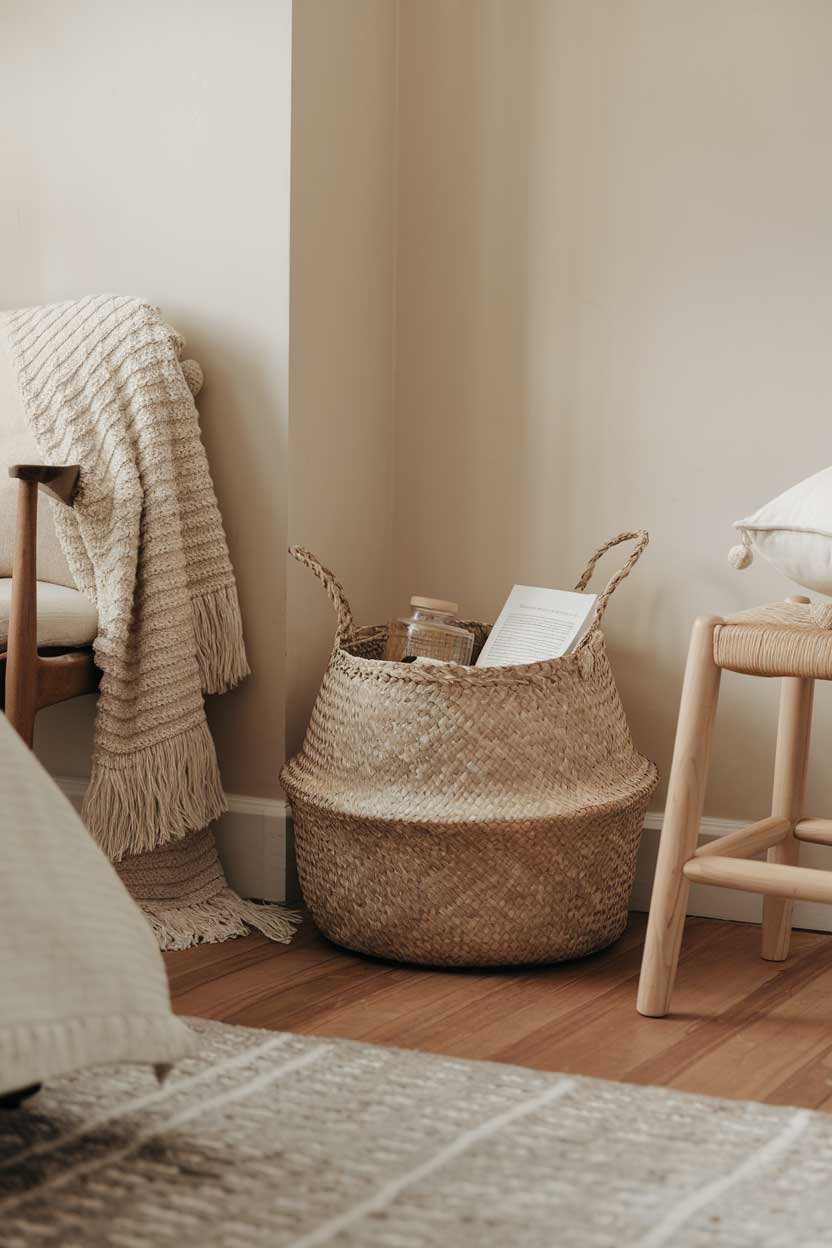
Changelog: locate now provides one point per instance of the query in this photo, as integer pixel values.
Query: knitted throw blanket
(103, 387)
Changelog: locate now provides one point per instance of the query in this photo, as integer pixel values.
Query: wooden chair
(791, 640)
(34, 675)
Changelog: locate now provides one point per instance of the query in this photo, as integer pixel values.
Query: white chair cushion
(794, 533)
(65, 617)
(17, 446)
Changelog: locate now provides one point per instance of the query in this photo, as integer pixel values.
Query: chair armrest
(59, 480)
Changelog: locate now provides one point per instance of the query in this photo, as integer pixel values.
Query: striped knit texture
(182, 889)
(103, 387)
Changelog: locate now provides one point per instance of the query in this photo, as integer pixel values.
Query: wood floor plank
(188, 968)
(521, 1002)
(265, 994)
(795, 1042)
(606, 1037)
(739, 1027)
(755, 990)
(813, 1087)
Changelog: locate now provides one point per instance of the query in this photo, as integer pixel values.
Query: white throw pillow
(794, 533)
(81, 979)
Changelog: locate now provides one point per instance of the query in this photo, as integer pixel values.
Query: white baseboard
(252, 838)
(726, 903)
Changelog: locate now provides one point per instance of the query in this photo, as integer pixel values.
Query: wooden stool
(792, 640)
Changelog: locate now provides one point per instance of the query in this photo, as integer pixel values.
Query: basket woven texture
(463, 816)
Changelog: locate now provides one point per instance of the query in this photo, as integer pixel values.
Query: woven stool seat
(781, 639)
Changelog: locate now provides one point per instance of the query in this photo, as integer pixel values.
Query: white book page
(537, 624)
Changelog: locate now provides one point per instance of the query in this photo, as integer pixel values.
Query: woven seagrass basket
(462, 816)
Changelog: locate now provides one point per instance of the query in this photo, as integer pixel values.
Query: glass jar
(431, 631)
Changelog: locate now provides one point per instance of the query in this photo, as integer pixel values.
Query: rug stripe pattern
(296, 1142)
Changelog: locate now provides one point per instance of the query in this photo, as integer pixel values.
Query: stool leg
(686, 794)
(791, 759)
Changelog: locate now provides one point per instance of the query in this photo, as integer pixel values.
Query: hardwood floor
(740, 1027)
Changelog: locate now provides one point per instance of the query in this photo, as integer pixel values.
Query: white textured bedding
(81, 978)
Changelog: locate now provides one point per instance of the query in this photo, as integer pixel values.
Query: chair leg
(686, 793)
(13, 1100)
(22, 647)
(791, 759)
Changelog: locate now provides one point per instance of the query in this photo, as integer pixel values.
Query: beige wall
(614, 300)
(341, 362)
(144, 149)
(569, 276)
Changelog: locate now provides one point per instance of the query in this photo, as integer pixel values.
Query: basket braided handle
(641, 537)
(345, 628)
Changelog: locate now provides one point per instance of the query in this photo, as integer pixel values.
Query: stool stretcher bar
(769, 878)
(818, 831)
(746, 842)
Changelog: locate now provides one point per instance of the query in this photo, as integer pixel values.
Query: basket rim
(458, 673)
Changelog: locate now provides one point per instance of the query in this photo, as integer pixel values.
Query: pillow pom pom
(740, 556)
(193, 376)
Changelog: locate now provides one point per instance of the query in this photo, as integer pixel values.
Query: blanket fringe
(161, 793)
(218, 629)
(221, 917)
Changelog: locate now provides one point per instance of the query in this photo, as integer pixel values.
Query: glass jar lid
(435, 604)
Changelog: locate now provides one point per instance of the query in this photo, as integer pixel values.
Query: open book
(537, 624)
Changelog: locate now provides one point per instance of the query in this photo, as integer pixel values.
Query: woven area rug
(270, 1139)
